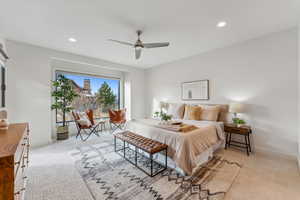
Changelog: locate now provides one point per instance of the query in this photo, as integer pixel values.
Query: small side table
(101, 126)
(243, 131)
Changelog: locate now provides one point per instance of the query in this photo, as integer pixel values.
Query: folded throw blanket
(179, 128)
(187, 128)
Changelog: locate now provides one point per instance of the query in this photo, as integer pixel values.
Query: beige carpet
(264, 176)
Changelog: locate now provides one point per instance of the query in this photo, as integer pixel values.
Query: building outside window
(95, 92)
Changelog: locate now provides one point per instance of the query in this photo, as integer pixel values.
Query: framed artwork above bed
(195, 90)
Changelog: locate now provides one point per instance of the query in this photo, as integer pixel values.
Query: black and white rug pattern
(109, 176)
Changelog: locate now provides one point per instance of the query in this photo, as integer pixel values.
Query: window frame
(120, 94)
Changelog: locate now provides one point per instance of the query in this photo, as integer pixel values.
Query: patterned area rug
(108, 176)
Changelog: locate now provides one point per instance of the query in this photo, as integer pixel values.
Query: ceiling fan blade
(138, 52)
(121, 42)
(156, 45)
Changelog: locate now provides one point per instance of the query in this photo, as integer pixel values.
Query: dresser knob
(25, 177)
(17, 163)
(19, 192)
(23, 166)
(23, 144)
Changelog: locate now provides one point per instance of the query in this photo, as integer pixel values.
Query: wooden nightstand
(244, 131)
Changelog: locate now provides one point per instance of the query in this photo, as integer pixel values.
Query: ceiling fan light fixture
(138, 47)
(71, 39)
(221, 24)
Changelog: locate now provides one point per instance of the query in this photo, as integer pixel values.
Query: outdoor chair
(117, 119)
(86, 126)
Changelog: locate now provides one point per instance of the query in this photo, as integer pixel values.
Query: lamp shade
(236, 108)
(163, 106)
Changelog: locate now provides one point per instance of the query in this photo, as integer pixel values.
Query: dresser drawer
(20, 184)
(21, 179)
(20, 195)
(22, 150)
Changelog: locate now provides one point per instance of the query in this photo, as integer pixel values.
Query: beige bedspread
(183, 148)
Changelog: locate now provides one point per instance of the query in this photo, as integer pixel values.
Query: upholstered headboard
(224, 109)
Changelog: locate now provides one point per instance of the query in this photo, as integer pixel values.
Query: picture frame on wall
(195, 90)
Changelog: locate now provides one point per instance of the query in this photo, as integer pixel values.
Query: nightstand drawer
(237, 130)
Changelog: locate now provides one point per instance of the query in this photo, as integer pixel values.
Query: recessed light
(221, 24)
(72, 40)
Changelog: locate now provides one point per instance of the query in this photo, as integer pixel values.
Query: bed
(186, 150)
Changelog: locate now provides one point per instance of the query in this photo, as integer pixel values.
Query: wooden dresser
(14, 152)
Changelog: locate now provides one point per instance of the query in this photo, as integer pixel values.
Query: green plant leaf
(63, 94)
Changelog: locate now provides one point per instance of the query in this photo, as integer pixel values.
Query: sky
(96, 82)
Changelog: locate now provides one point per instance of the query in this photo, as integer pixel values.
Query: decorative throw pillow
(224, 115)
(195, 113)
(176, 110)
(84, 119)
(209, 113)
(192, 112)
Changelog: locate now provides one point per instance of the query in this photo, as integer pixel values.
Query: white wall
(261, 73)
(299, 96)
(30, 71)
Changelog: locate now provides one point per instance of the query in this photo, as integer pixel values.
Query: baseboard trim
(280, 154)
(36, 146)
(299, 162)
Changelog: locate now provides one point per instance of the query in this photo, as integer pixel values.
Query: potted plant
(165, 116)
(63, 96)
(238, 122)
(156, 114)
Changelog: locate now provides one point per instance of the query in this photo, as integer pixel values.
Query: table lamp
(236, 108)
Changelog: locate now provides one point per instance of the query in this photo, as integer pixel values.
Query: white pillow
(176, 110)
(84, 119)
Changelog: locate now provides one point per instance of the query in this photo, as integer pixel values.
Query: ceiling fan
(139, 45)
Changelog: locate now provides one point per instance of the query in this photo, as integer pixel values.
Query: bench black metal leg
(166, 161)
(135, 155)
(151, 160)
(115, 142)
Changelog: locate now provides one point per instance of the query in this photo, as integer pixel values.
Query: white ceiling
(189, 25)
